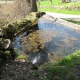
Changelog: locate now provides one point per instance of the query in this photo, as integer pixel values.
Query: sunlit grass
(61, 70)
(21, 57)
(47, 3)
(73, 21)
(59, 3)
(69, 4)
(76, 12)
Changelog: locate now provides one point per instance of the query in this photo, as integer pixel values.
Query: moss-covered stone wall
(10, 31)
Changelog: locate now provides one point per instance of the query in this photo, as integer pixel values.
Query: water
(39, 57)
(63, 40)
(18, 44)
(50, 42)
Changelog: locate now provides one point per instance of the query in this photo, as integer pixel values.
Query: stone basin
(51, 40)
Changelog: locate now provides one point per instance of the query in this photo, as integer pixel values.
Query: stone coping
(60, 21)
(68, 24)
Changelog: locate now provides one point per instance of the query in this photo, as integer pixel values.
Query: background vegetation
(60, 7)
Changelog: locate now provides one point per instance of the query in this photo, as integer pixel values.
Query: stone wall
(10, 31)
(72, 7)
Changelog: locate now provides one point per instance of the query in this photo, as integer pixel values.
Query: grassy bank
(64, 69)
(73, 21)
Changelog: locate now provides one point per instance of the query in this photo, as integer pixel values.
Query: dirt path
(17, 70)
(59, 15)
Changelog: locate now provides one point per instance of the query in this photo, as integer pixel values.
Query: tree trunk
(50, 1)
(24, 7)
(33, 5)
(63, 1)
(38, 2)
(6, 1)
(28, 1)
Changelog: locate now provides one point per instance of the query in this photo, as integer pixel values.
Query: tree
(38, 1)
(6, 1)
(63, 1)
(24, 7)
(33, 5)
(50, 1)
(21, 7)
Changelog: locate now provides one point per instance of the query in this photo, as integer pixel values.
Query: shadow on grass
(62, 70)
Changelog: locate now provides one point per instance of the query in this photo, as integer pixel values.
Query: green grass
(69, 4)
(21, 57)
(47, 3)
(59, 3)
(60, 11)
(61, 70)
(73, 21)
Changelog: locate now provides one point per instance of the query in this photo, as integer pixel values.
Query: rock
(5, 44)
(1, 52)
(3, 32)
(4, 55)
(34, 16)
(34, 67)
(40, 14)
(10, 31)
(7, 47)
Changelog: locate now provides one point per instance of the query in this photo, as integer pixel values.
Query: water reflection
(18, 43)
(39, 57)
(51, 41)
(65, 40)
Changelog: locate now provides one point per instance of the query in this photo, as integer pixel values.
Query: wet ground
(49, 42)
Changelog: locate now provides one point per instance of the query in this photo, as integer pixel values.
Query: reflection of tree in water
(33, 42)
(55, 40)
(36, 40)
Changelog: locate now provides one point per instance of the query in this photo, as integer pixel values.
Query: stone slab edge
(68, 24)
(61, 22)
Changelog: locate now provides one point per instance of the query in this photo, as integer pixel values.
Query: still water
(50, 42)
